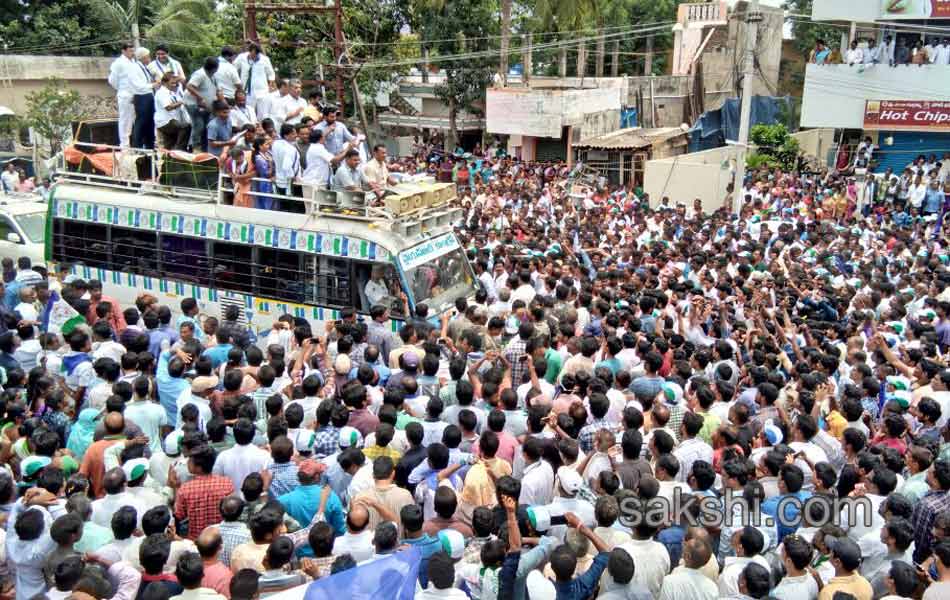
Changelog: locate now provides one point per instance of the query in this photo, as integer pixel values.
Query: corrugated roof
(630, 138)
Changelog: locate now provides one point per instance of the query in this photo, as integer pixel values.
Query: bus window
(278, 274)
(133, 251)
(233, 267)
(328, 281)
(83, 243)
(377, 283)
(186, 258)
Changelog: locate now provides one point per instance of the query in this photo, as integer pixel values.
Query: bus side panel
(260, 313)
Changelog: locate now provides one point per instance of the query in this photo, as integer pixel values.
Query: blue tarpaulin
(628, 117)
(714, 127)
(390, 578)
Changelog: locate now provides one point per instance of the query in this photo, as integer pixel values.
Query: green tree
(177, 19)
(51, 111)
(773, 147)
(50, 27)
(805, 31)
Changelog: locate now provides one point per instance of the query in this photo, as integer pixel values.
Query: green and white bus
(137, 236)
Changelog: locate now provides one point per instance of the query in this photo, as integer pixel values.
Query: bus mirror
(14, 238)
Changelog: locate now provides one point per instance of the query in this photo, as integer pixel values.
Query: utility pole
(302, 7)
(753, 17)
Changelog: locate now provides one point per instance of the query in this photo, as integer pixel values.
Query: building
(902, 107)
(21, 75)
(620, 156)
(543, 123)
(705, 65)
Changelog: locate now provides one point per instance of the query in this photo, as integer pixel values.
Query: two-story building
(895, 85)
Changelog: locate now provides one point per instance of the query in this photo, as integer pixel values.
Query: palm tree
(177, 19)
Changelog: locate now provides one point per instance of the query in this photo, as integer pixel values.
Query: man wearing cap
(201, 389)
(304, 501)
(845, 558)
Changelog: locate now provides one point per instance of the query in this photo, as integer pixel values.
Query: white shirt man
(238, 462)
(537, 484)
(227, 77)
(291, 107)
(854, 56)
(119, 78)
(158, 68)
(652, 561)
(286, 163)
(358, 545)
(164, 98)
(256, 74)
(243, 115)
(105, 507)
(318, 168)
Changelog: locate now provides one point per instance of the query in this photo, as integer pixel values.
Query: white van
(22, 227)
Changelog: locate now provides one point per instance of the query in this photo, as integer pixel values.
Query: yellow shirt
(836, 424)
(852, 584)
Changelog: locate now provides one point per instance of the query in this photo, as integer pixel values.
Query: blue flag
(391, 578)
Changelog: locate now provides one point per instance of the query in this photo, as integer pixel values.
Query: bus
(137, 235)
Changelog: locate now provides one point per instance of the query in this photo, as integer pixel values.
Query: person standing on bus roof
(119, 79)
(143, 88)
(286, 160)
(335, 133)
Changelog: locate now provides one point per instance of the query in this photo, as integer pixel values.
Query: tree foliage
(51, 111)
(806, 31)
(46, 26)
(774, 147)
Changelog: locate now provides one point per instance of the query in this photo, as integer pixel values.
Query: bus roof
(391, 241)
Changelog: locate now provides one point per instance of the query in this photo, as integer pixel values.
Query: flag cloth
(391, 578)
(59, 316)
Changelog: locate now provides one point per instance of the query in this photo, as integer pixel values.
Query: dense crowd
(636, 403)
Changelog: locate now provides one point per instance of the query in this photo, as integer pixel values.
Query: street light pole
(753, 16)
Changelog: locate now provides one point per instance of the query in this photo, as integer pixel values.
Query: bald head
(661, 414)
(115, 423)
(696, 553)
(357, 518)
(209, 543)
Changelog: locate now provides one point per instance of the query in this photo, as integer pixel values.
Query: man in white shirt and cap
(119, 73)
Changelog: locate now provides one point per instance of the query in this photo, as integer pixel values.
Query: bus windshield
(437, 272)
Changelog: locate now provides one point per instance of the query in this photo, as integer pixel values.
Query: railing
(412, 206)
(703, 12)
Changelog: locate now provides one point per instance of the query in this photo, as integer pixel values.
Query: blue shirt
(199, 333)
(672, 537)
(157, 336)
(169, 388)
(428, 545)
(218, 354)
(302, 503)
(791, 509)
(218, 131)
(581, 588)
(933, 200)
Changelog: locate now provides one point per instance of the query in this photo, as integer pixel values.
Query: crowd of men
(885, 51)
(636, 403)
(268, 138)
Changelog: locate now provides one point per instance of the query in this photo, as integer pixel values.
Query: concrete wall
(689, 176)
(22, 75)
(835, 95)
(816, 142)
(544, 112)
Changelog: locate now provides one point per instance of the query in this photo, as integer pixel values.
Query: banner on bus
(907, 115)
(427, 251)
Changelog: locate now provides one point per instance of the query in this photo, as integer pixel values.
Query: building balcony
(702, 13)
(836, 95)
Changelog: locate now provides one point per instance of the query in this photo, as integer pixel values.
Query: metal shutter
(907, 145)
